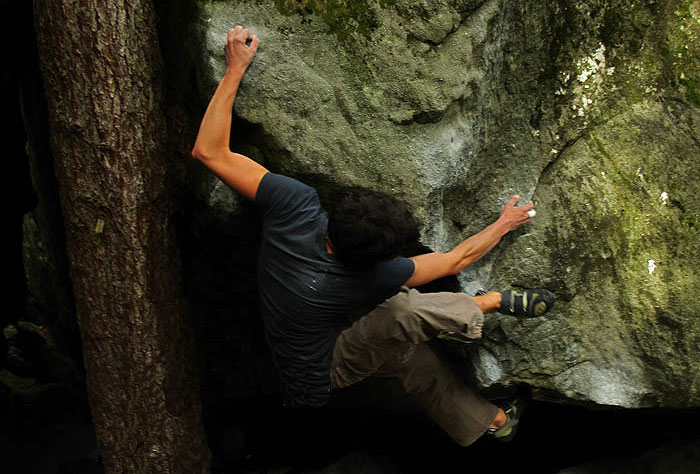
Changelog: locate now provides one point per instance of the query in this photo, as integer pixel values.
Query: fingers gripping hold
(513, 201)
(515, 216)
(240, 35)
(240, 47)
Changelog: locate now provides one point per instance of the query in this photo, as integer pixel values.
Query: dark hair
(366, 227)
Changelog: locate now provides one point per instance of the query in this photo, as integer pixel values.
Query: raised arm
(239, 172)
(431, 266)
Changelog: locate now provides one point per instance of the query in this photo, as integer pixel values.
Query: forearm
(476, 246)
(215, 130)
(239, 172)
(431, 266)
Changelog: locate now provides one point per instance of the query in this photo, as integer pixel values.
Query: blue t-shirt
(306, 294)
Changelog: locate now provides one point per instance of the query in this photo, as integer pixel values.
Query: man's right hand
(239, 53)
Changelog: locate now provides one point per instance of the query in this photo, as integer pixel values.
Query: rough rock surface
(591, 109)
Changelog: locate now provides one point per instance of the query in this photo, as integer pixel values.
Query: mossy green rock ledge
(590, 109)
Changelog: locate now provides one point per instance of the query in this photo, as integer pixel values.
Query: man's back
(306, 294)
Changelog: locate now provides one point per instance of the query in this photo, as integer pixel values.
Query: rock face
(590, 109)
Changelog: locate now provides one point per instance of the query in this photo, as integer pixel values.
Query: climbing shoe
(526, 303)
(513, 410)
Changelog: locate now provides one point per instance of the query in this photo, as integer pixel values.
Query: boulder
(590, 109)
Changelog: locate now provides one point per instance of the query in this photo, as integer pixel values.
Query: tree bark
(101, 66)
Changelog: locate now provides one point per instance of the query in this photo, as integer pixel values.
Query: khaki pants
(390, 342)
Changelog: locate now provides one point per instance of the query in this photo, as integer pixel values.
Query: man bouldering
(316, 267)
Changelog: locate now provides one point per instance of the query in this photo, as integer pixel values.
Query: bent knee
(402, 306)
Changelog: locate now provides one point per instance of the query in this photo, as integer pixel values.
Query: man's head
(367, 227)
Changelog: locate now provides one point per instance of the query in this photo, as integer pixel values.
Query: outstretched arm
(431, 266)
(239, 172)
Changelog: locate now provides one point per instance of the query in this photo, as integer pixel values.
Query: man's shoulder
(275, 183)
(283, 198)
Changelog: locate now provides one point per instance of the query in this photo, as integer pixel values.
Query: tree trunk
(101, 66)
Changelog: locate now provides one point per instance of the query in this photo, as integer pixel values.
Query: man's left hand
(514, 216)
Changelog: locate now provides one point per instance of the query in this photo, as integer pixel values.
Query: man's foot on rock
(526, 303)
(513, 410)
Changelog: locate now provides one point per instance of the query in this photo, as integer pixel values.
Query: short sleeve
(395, 273)
(282, 196)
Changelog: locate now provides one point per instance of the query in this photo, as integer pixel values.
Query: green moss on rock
(692, 90)
(615, 237)
(344, 17)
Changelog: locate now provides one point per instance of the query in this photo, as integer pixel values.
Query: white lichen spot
(664, 198)
(554, 151)
(651, 265)
(583, 77)
(591, 71)
(593, 66)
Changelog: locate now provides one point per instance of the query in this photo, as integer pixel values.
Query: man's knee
(401, 319)
(400, 305)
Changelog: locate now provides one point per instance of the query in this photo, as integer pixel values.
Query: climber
(315, 268)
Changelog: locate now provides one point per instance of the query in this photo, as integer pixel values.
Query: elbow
(207, 154)
(199, 153)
